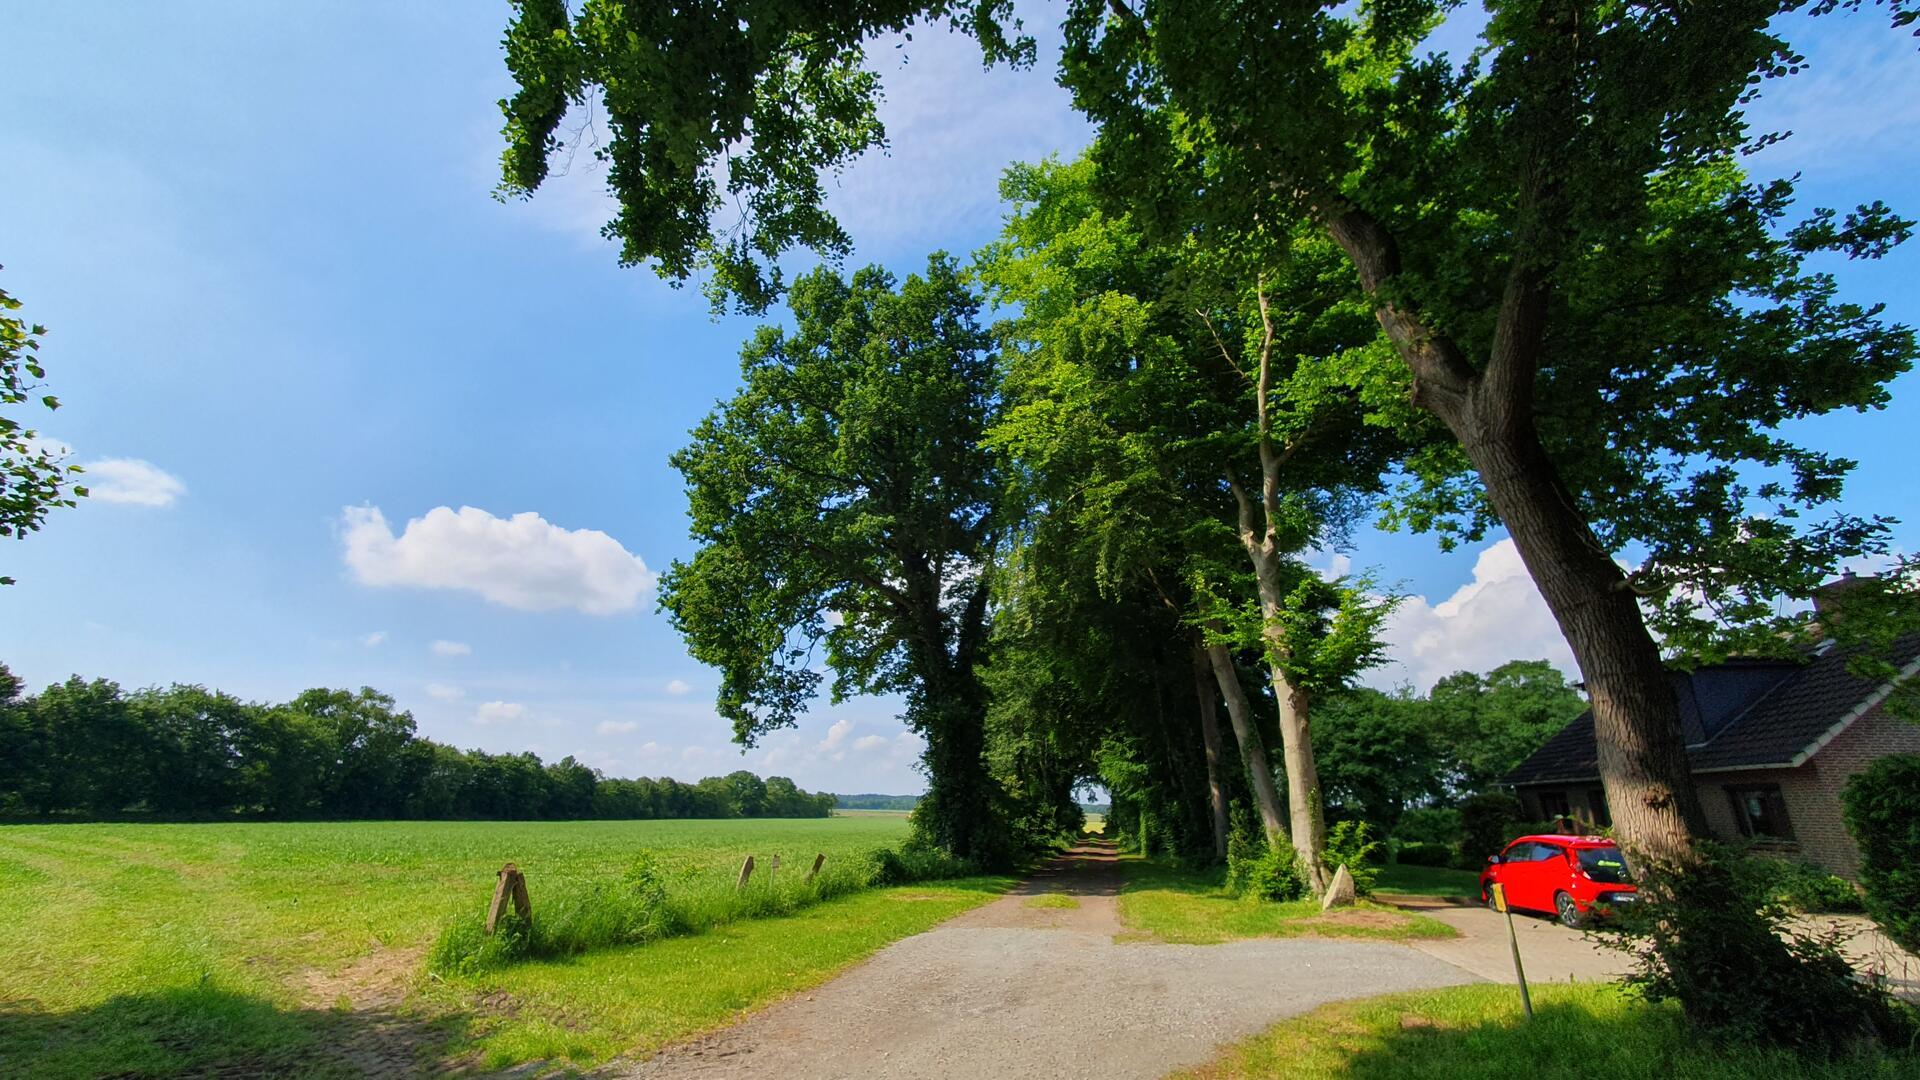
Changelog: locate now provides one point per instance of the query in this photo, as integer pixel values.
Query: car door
(1516, 871)
(1549, 873)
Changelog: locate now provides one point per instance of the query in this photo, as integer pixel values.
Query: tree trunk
(1636, 718)
(1206, 694)
(1309, 829)
(1252, 750)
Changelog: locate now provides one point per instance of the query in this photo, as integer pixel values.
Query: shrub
(1274, 874)
(1807, 888)
(1487, 822)
(1429, 825)
(1425, 855)
(1351, 843)
(1713, 939)
(1883, 814)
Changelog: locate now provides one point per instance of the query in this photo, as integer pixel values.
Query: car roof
(1568, 840)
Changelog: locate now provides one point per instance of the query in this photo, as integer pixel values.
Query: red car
(1565, 875)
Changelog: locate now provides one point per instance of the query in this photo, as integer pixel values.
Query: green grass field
(299, 948)
(1427, 881)
(1168, 903)
(1579, 1032)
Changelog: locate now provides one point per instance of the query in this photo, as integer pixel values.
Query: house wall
(1811, 792)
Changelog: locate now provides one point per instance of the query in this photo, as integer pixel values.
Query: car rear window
(1605, 865)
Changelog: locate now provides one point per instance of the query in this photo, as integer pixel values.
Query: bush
(1713, 939)
(1882, 808)
(1425, 855)
(1351, 843)
(1430, 825)
(1487, 822)
(1274, 874)
(1810, 889)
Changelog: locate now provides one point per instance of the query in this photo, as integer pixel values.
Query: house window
(1761, 812)
(1597, 805)
(1554, 804)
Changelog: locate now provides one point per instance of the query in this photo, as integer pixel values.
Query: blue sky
(289, 321)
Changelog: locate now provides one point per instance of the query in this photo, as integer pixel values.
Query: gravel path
(1009, 990)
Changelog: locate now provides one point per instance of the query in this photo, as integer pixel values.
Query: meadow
(301, 948)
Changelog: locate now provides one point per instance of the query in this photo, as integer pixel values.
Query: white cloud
(521, 562)
(617, 727)
(677, 687)
(499, 712)
(451, 648)
(837, 734)
(131, 481)
(1496, 617)
(870, 742)
(443, 692)
(375, 639)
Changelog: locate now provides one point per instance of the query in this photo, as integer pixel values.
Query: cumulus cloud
(870, 742)
(677, 687)
(522, 562)
(837, 734)
(499, 712)
(443, 692)
(1496, 617)
(617, 727)
(131, 481)
(451, 648)
(375, 639)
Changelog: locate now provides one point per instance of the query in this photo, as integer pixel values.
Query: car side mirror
(1493, 859)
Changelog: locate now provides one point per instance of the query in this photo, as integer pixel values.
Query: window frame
(1774, 805)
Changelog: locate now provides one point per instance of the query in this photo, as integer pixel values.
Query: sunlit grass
(1427, 881)
(1053, 900)
(1579, 1032)
(1171, 904)
(155, 949)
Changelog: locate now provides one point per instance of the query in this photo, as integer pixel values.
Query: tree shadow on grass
(212, 1031)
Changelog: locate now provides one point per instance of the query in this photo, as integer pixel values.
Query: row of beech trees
(91, 749)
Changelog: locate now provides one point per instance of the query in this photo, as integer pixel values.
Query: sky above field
(350, 421)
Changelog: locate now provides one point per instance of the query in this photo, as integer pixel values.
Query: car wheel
(1568, 910)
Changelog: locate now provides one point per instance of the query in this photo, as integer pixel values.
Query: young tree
(33, 476)
(847, 479)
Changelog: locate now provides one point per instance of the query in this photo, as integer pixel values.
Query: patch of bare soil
(1362, 920)
(369, 1029)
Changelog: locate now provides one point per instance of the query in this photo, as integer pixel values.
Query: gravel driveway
(1008, 990)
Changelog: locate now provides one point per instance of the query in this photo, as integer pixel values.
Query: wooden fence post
(815, 872)
(509, 884)
(746, 871)
(773, 871)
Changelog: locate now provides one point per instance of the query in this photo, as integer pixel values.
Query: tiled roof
(1741, 715)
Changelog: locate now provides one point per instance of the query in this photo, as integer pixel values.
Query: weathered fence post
(746, 871)
(773, 871)
(509, 883)
(815, 872)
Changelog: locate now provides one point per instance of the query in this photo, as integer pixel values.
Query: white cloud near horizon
(130, 481)
(444, 692)
(450, 648)
(522, 562)
(1496, 617)
(617, 727)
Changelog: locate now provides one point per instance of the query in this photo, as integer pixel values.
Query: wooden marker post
(509, 883)
(773, 871)
(746, 871)
(815, 872)
(1499, 892)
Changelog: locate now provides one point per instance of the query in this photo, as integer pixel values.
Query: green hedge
(1883, 813)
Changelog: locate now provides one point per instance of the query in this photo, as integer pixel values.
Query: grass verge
(585, 1010)
(1187, 907)
(1053, 900)
(1469, 1032)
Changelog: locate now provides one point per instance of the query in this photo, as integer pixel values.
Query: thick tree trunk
(1206, 694)
(1253, 750)
(1643, 754)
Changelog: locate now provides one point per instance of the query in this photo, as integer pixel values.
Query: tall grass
(652, 900)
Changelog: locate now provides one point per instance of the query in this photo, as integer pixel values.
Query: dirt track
(1010, 990)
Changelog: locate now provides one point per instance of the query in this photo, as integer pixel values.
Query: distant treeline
(90, 749)
(876, 802)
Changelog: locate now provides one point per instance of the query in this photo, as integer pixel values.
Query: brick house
(1771, 742)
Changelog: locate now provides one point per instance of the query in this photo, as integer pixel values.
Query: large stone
(1340, 891)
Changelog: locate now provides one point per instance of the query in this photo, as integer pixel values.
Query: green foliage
(1809, 889)
(1882, 807)
(1180, 903)
(1488, 724)
(1352, 844)
(1377, 753)
(88, 748)
(1487, 821)
(1713, 938)
(34, 476)
(1430, 825)
(1424, 853)
(1259, 870)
